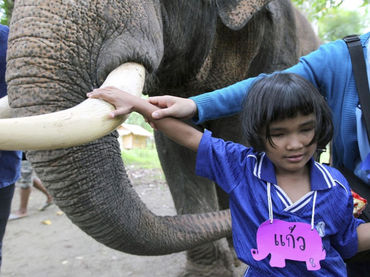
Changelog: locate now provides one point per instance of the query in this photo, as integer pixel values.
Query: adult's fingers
(162, 101)
(173, 106)
(161, 113)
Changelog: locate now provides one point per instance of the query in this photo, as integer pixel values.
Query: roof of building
(125, 129)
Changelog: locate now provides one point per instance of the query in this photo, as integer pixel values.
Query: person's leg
(25, 185)
(23, 203)
(49, 199)
(6, 196)
(38, 184)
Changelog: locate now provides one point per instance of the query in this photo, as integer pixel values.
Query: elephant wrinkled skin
(60, 49)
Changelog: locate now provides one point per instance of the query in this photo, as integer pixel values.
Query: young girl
(290, 214)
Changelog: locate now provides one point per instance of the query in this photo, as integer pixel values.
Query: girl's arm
(125, 103)
(363, 234)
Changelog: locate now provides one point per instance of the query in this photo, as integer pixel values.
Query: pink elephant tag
(289, 241)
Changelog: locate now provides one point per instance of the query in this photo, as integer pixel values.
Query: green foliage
(6, 8)
(317, 9)
(339, 23)
(334, 22)
(144, 158)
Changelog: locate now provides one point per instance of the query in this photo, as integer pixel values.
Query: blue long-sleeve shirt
(330, 69)
(10, 161)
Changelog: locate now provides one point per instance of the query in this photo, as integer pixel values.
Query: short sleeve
(223, 162)
(346, 241)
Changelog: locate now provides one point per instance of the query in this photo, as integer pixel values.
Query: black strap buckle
(351, 38)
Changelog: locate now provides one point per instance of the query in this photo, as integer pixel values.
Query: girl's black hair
(280, 96)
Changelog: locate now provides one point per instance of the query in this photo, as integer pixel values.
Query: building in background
(133, 136)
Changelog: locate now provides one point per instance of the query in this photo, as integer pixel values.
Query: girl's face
(291, 137)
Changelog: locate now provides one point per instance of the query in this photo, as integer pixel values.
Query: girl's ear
(236, 13)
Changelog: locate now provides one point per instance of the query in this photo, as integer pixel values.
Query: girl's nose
(294, 142)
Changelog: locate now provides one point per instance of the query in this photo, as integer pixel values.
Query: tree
(331, 20)
(316, 9)
(6, 8)
(338, 23)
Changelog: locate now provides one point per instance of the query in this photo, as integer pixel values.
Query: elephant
(58, 50)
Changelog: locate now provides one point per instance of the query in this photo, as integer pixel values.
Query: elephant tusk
(5, 110)
(75, 126)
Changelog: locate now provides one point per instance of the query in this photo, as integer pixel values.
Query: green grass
(145, 158)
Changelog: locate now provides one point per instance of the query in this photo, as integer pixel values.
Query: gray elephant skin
(61, 49)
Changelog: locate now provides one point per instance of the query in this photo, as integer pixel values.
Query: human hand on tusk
(124, 102)
(111, 95)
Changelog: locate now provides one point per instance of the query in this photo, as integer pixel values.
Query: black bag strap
(359, 70)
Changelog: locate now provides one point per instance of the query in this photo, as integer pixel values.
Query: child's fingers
(120, 111)
(91, 94)
(115, 97)
(101, 94)
(153, 125)
(150, 123)
(95, 94)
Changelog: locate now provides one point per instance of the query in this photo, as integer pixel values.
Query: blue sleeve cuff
(201, 160)
(222, 102)
(351, 248)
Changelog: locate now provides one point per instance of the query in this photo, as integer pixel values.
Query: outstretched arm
(125, 103)
(211, 105)
(228, 100)
(363, 235)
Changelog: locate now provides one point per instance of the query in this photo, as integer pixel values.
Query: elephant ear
(236, 13)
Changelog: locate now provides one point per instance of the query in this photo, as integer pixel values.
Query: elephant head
(60, 49)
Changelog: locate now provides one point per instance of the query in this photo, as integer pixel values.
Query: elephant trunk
(102, 202)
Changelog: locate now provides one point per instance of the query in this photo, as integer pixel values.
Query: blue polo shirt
(10, 161)
(244, 173)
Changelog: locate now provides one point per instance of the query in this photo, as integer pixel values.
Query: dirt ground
(34, 249)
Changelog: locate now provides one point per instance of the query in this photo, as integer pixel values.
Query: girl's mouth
(295, 158)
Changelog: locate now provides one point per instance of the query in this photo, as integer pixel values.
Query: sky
(351, 4)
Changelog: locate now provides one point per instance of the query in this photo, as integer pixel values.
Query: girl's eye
(306, 130)
(278, 135)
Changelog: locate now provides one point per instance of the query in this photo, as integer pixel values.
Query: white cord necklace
(271, 213)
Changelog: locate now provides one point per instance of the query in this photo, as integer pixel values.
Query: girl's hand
(172, 106)
(118, 98)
